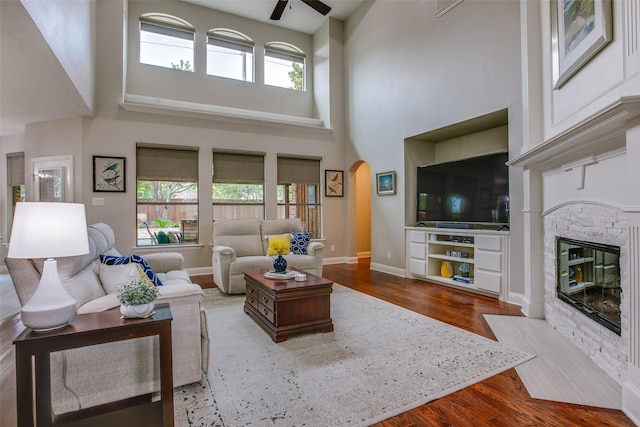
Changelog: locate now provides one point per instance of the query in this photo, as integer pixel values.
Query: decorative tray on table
(287, 275)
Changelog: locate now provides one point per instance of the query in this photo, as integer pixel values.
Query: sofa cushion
(247, 263)
(299, 242)
(270, 227)
(115, 260)
(114, 276)
(301, 262)
(174, 277)
(241, 235)
(277, 238)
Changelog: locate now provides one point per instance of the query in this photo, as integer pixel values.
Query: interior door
(52, 179)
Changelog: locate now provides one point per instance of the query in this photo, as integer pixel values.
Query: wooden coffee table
(286, 307)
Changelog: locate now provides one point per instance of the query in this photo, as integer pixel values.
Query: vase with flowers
(279, 247)
(465, 269)
(137, 298)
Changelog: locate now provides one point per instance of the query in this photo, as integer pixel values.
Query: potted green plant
(137, 298)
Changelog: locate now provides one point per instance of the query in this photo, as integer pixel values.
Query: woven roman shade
(15, 166)
(161, 163)
(298, 170)
(166, 28)
(238, 168)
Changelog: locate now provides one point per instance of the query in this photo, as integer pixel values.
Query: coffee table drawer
(266, 300)
(268, 314)
(252, 296)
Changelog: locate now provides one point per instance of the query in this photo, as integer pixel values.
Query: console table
(86, 330)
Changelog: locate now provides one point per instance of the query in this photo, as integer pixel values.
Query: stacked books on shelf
(287, 275)
(461, 279)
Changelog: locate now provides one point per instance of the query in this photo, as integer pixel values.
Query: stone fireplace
(601, 224)
(584, 185)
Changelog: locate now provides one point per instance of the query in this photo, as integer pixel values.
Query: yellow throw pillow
(279, 237)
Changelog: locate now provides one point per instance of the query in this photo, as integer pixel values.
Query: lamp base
(51, 307)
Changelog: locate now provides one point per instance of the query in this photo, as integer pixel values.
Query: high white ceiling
(297, 15)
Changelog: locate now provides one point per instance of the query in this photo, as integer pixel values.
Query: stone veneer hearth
(595, 223)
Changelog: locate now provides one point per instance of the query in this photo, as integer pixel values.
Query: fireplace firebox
(588, 279)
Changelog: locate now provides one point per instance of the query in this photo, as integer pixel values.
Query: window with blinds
(238, 185)
(299, 191)
(166, 41)
(167, 194)
(284, 66)
(230, 54)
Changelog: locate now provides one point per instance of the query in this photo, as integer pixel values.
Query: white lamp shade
(48, 230)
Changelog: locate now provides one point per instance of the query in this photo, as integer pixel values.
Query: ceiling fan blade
(318, 6)
(277, 11)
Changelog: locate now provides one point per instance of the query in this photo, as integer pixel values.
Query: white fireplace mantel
(601, 133)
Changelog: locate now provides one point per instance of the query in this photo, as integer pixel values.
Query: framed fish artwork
(108, 174)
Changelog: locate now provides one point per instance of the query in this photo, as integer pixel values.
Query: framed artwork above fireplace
(579, 31)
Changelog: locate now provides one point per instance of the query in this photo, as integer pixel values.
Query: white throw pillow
(113, 276)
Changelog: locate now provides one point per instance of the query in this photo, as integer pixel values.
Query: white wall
(409, 72)
(73, 45)
(115, 132)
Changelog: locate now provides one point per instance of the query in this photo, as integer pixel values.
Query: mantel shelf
(598, 134)
(171, 107)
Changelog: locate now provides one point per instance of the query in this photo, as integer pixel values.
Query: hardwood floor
(501, 400)
(498, 401)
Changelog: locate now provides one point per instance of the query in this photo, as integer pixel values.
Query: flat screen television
(469, 191)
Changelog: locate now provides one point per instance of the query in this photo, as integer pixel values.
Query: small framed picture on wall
(386, 183)
(333, 183)
(108, 174)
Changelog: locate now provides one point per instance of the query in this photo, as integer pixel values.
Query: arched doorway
(360, 220)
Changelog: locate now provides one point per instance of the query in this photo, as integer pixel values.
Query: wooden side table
(86, 330)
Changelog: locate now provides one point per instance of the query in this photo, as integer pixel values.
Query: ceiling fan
(317, 5)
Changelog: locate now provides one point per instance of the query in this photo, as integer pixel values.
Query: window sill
(167, 247)
(171, 107)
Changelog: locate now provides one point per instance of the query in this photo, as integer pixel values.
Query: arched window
(230, 54)
(284, 66)
(166, 41)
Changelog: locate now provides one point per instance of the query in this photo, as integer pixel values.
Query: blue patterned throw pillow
(299, 242)
(119, 260)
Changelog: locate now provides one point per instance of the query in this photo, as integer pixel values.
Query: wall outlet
(333, 248)
(388, 254)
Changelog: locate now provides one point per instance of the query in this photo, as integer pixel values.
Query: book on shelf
(461, 279)
(287, 275)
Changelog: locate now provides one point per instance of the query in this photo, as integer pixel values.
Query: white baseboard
(631, 401)
(335, 260)
(514, 298)
(400, 272)
(199, 271)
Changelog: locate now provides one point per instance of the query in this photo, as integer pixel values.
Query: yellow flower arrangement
(279, 247)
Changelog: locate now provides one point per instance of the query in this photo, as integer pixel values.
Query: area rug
(380, 361)
(560, 371)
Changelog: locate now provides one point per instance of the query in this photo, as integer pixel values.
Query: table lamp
(48, 230)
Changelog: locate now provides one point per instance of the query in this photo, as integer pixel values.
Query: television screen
(474, 190)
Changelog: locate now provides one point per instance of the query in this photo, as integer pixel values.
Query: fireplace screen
(589, 280)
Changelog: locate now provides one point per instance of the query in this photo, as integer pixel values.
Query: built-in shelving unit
(483, 251)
